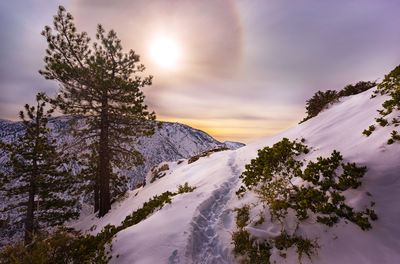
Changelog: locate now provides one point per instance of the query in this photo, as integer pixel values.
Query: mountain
(233, 145)
(172, 142)
(197, 227)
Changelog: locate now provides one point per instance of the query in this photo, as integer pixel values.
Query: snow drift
(196, 227)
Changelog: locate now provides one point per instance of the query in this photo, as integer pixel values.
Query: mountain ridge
(172, 142)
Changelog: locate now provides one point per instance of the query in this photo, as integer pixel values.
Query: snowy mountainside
(233, 145)
(196, 227)
(172, 142)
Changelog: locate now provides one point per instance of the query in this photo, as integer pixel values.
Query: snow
(196, 227)
(172, 142)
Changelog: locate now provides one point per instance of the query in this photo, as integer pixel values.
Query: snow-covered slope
(172, 142)
(196, 227)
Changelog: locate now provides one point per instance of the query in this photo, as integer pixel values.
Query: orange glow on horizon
(244, 131)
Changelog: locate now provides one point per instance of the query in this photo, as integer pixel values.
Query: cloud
(208, 31)
(21, 51)
(321, 41)
(246, 70)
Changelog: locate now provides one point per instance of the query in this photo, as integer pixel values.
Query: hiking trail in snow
(204, 245)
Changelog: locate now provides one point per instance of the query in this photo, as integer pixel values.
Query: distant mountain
(233, 145)
(172, 142)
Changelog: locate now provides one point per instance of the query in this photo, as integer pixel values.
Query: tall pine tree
(90, 173)
(39, 187)
(101, 84)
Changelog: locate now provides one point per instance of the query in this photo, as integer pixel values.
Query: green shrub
(185, 188)
(369, 131)
(270, 160)
(357, 88)
(304, 246)
(62, 246)
(394, 137)
(390, 86)
(319, 197)
(390, 83)
(381, 121)
(242, 216)
(148, 208)
(158, 173)
(319, 102)
(249, 249)
(69, 246)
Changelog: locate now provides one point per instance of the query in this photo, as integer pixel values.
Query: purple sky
(247, 67)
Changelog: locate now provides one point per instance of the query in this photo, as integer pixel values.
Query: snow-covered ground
(196, 227)
(172, 142)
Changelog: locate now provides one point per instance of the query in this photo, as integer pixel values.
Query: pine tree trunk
(29, 220)
(30, 212)
(104, 157)
(96, 191)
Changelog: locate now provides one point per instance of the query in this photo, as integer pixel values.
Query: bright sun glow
(165, 53)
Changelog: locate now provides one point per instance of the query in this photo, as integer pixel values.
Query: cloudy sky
(237, 69)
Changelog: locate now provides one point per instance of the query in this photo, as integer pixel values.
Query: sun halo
(165, 53)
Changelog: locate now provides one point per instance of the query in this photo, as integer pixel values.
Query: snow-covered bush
(290, 189)
(62, 246)
(389, 115)
(155, 203)
(69, 246)
(185, 188)
(247, 248)
(357, 88)
(321, 100)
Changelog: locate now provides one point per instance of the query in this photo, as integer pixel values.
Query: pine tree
(38, 185)
(101, 84)
(90, 173)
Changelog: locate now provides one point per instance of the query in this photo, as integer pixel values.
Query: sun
(165, 52)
